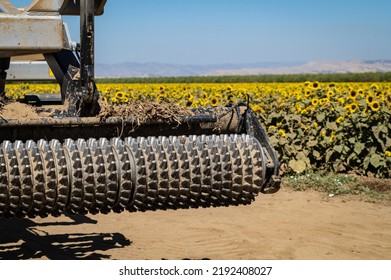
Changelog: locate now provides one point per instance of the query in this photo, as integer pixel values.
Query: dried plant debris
(144, 111)
(140, 111)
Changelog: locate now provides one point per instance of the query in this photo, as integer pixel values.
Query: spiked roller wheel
(134, 174)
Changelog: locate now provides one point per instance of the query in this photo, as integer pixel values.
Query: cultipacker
(72, 160)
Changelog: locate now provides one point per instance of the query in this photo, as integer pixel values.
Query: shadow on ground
(26, 239)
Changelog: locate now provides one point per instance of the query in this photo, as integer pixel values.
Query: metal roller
(196, 158)
(134, 174)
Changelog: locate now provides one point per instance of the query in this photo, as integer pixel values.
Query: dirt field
(286, 225)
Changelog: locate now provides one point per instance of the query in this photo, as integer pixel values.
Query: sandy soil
(286, 225)
(19, 111)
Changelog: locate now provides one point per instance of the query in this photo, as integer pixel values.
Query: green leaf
(351, 159)
(273, 140)
(329, 154)
(338, 148)
(363, 125)
(366, 162)
(316, 154)
(274, 115)
(302, 156)
(346, 149)
(331, 125)
(296, 118)
(376, 160)
(320, 117)
(336, 166)
(358, 147)
(383, 128)
(297, 166)
(283, 141)
(376, 132)
(291, 135)
(312, 143)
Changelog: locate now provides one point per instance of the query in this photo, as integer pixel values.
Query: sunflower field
(342, 127)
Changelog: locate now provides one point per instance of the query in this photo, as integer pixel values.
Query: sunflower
(332, 138)
(374, 87)
(341, 100)
(218, 96)
(202, 102)
(304, 112)
(232, 99)
(271, 128)
(214, 102)
(375, 106)
(257, 108)
(369, 99)
(353, 94)
(388, 98)
(114, 100)
(297, 95)
(314, 102)
(380, 95)
(281, 132)
(330, 94)
(315, 124)
(316, 85)
(388, 153)
(119, 94)
(365, 112)
(340, 119)
(353, 108)
(323, 101)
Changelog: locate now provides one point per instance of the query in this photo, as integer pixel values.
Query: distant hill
(153, 69)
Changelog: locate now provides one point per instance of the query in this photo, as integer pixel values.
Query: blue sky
(241, 31)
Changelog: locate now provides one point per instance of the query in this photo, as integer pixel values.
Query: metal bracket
(254, 128)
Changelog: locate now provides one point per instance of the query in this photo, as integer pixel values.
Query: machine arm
(39, 29)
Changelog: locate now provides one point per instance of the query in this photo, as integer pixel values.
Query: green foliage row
(329, 77)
